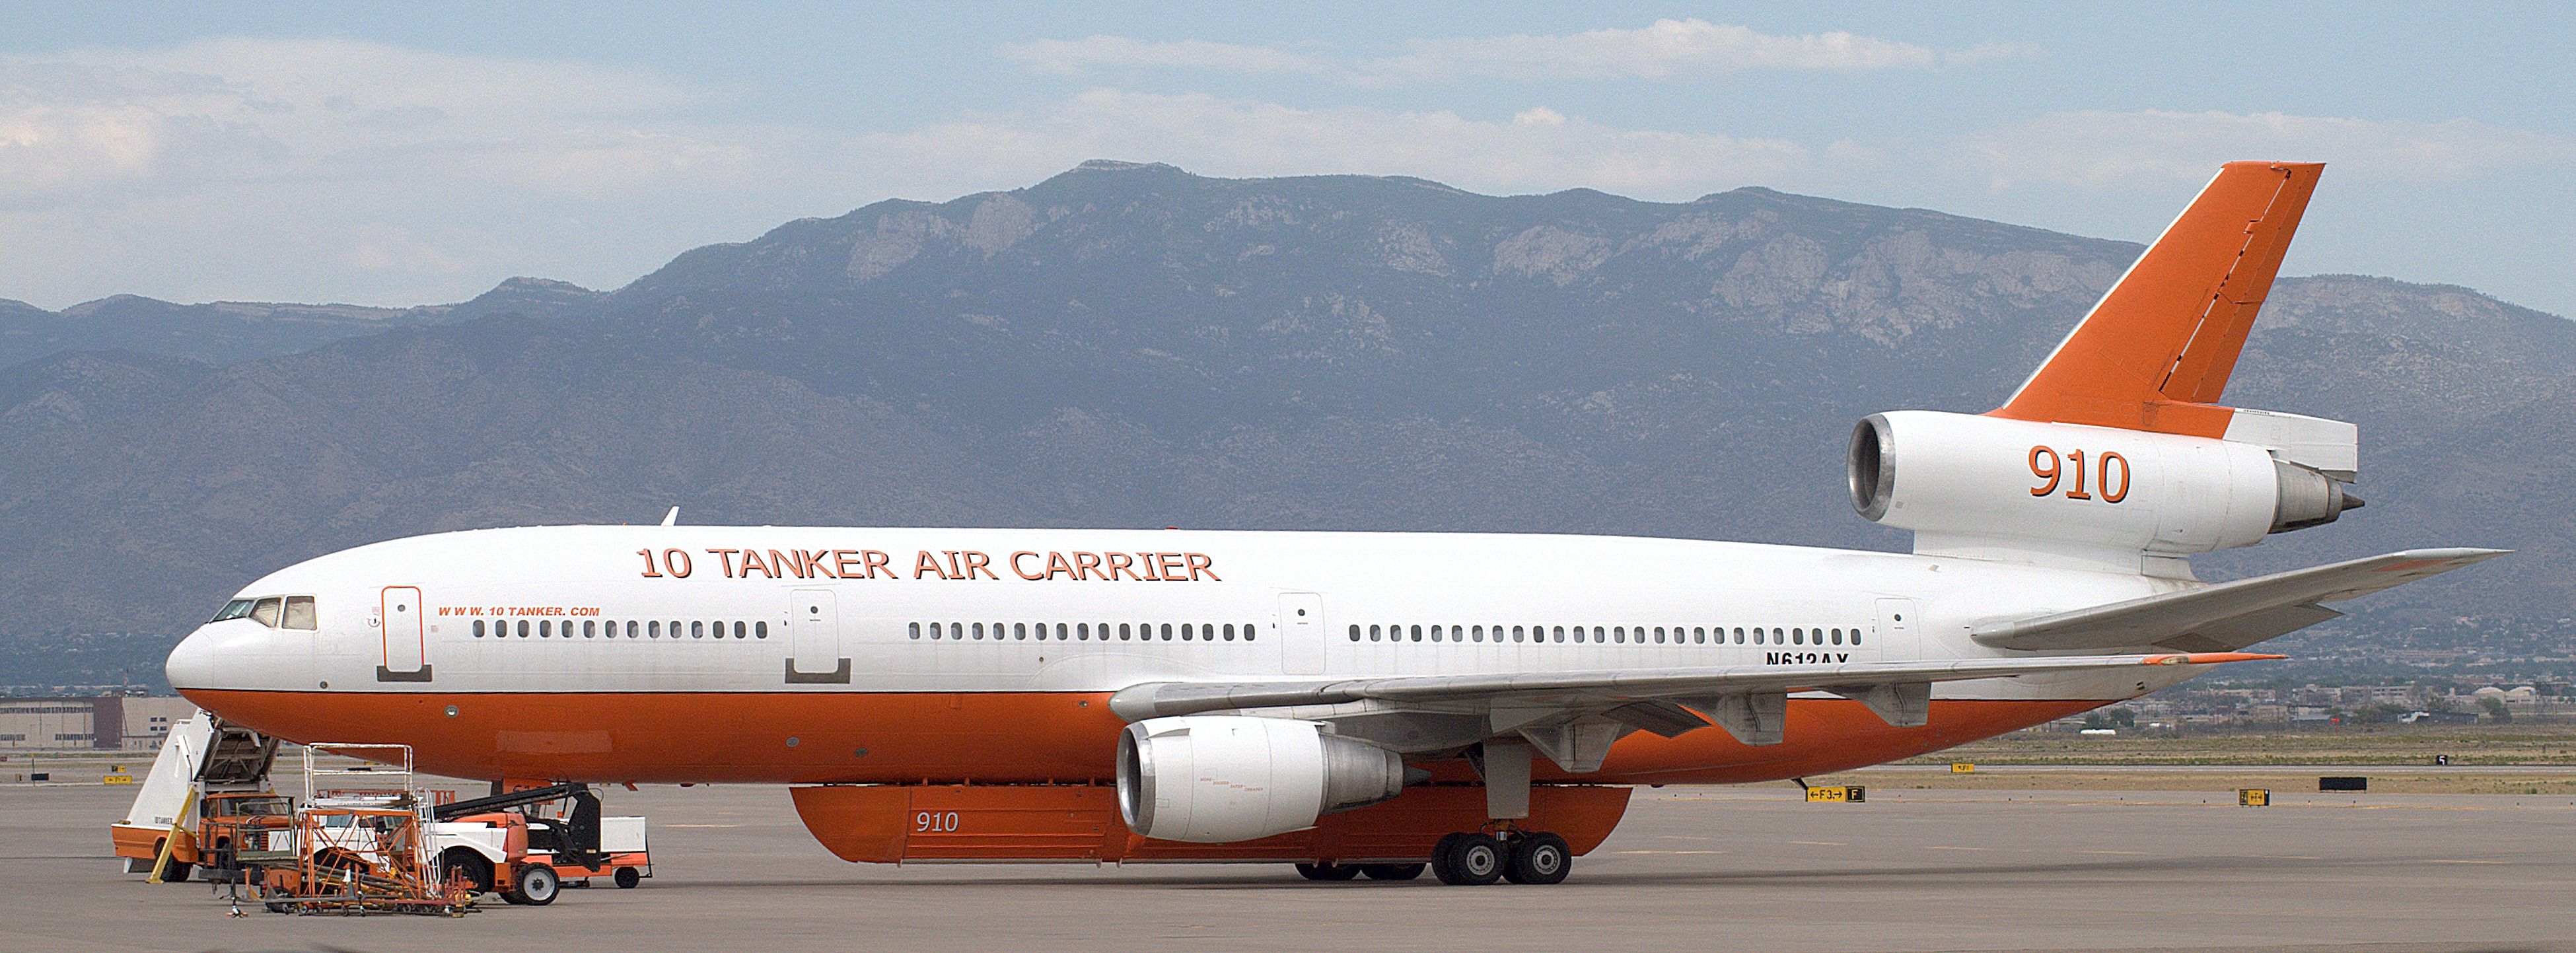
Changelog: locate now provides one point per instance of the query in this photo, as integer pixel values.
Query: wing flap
(2229, 615)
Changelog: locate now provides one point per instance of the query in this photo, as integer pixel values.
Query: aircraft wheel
(1328, 872)
(1471, 859)
(1539, 858)
(536, 885)
(1391, 871)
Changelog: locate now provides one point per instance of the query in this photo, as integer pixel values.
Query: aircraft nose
(193, 661)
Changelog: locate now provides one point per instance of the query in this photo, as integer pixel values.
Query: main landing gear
(1477, 857)
(1522, 857)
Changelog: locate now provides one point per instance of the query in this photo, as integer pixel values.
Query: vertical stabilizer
(2155, 353)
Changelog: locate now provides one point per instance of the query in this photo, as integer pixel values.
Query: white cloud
(1667, 48)
(2099, 149)
(1074, 57)
(1536, 150)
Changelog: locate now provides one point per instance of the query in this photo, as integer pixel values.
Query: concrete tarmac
(1691, 869)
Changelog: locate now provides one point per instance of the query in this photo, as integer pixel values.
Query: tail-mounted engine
(1213, 779)
(1998, 488)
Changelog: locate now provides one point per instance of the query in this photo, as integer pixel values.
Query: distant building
(103, 723)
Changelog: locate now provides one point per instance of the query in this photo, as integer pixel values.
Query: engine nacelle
(1212, 779)
(1967, 484)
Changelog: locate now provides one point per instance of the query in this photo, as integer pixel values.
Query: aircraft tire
(1539, 858)
(1471, 859)
(1328, 872)
(1392, 871)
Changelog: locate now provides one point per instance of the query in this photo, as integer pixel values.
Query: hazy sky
(398, 155)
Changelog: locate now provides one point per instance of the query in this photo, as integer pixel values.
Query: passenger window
(1082, 631)
(1229, 631)
(1126, 631)
(523, 628)
(1659, 635)
(630, 628)
(1020, 631)
(1249, 630)
(1838, 636)
(1699, 636)
(654, 629)
(1417, 633)
(265, 613)
(1167, 631)
(1855, 636)
(478, 628)
(299, 612)
(697, 629)
(1186, 630)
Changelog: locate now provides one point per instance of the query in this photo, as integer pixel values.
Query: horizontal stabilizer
(2229, 615)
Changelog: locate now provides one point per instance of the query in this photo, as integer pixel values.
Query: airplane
(1352, 702)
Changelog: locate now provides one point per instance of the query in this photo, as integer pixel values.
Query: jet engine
(1217, 778)
(1970, 485)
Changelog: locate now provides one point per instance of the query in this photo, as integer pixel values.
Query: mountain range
(1128, 344)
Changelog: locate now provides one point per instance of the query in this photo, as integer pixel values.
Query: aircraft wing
(1573, 717)
(2229, 615)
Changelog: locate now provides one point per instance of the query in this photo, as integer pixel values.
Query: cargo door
(1301, 633)
(814, 640)
(406, 656)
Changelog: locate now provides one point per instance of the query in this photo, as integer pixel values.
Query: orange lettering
(649, 571)
(876, 561)
(1147, 560)
(1084, 564)
(1119, 562)
(1170, 564)
(728, 561)
(978, 562)
(927, 563)
(1200, 563)
(778, 562)
(1023, 573)
(1056, 564)
(841, 560)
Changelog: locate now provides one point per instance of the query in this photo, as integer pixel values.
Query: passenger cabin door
(1301, 633)
(406, 644)
(814, 640)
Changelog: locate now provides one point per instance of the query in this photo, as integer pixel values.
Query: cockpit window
(265, 612)
(299, 613)
(235, 609)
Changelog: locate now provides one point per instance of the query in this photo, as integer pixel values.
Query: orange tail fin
(2156, 352)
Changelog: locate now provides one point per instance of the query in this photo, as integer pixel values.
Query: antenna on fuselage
(671, 518)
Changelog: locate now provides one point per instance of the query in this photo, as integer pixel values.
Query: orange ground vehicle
(523, 844)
